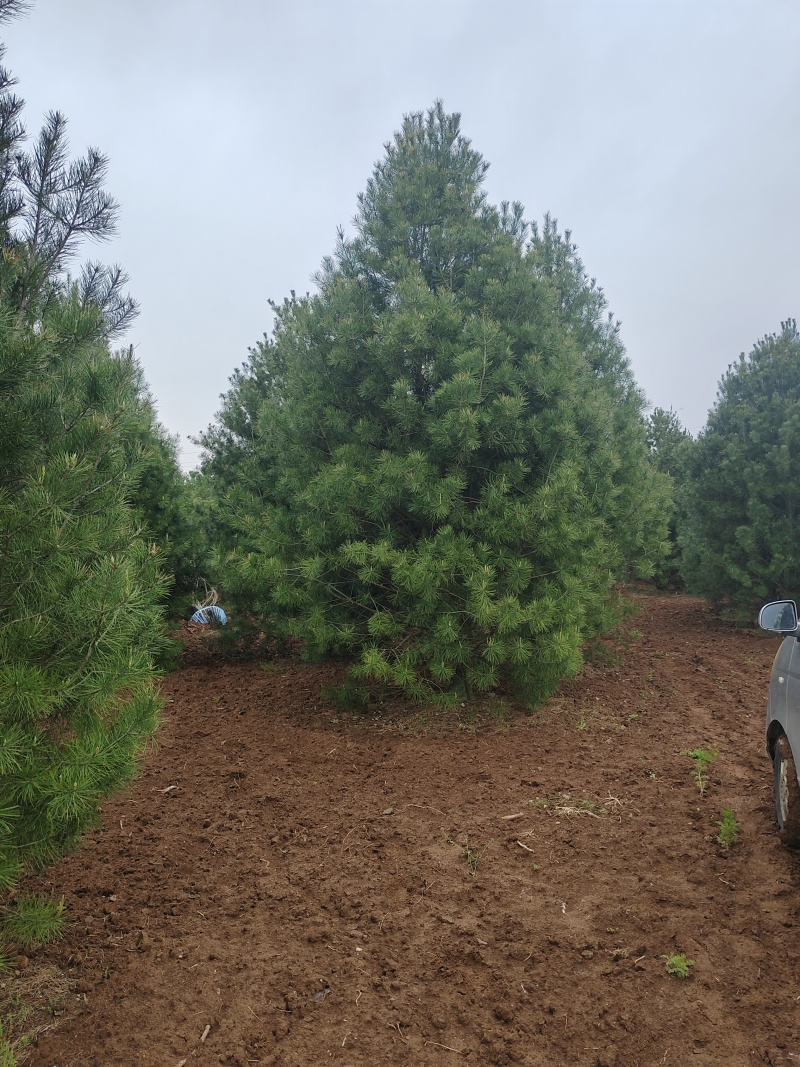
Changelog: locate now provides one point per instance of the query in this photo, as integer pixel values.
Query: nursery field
(290, 882)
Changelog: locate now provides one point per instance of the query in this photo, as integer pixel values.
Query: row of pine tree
(437, 466)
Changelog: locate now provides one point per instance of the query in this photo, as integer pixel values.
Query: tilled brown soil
(292, 884)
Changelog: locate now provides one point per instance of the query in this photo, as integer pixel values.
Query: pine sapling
(728, 829)
(702, 757)
(33, 921)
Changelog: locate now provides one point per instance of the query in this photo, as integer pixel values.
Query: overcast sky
(665, 136)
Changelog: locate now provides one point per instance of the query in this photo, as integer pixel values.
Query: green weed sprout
(7, 1057)
(678, 965)
(473, 859)
(472, 856)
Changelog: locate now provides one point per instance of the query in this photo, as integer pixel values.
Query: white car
(783, 717)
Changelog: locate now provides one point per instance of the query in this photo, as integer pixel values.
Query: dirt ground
(291, 883)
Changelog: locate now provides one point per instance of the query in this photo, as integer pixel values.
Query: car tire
(787, 793)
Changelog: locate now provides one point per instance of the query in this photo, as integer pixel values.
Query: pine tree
(164, 500)
(79, 588)
(670, 450)
(740, 539)
(438, 462)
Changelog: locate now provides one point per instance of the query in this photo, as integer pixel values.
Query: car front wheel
(787, 793)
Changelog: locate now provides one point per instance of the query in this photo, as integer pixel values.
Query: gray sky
(665, 136)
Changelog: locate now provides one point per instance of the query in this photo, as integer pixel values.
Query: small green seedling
(34, 920)
(703, 758)
(728, 829)
(473, 857)
(678, 965)
(7, 1057)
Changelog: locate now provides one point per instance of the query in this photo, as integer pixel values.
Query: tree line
(734, 521)
(437, 466)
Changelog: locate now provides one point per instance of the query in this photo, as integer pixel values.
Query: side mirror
(780, 616)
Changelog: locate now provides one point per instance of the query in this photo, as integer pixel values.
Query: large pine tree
(438, 462)
(79, 587)
(741, 532)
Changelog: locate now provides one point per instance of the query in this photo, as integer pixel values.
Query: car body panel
(784, 679)
(783, 703)
(783, 717)
(789, 714)
(776, 704)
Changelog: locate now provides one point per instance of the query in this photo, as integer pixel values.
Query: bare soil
(290, 883)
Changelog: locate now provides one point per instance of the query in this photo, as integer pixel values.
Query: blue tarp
(212, 613)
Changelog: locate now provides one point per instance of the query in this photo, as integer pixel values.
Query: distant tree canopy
(670, 449)
(80, 585)
(669, 442)
(438, 463)
(741, 539)
(164, 504)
